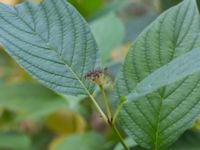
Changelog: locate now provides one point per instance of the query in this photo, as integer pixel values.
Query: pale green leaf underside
(52, 42)
(158, 119)
(179, 68)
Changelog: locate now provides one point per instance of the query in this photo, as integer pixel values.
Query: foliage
(114, 28)
(26, 98)
(156, 90)
(156, 120)
(61, 66)
(87, 141)
(167, 4)
(87, 7)
(14, 141)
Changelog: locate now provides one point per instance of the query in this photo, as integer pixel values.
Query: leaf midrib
(162, 98)
(68, 68)
(158, 123)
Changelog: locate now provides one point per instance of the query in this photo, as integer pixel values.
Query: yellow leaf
(10, 2)
(66, 122)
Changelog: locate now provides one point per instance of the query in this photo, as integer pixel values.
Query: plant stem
(110, 121)
(88, 93)
(118, 110)
(120, 137)
(108, 112)
(99, 108)
(105, 118)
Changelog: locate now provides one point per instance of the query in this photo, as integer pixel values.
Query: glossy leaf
(52, 42)
(155, 121)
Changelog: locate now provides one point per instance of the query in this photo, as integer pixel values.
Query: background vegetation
(32, 117)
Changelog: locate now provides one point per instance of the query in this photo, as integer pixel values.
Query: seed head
(96, 76)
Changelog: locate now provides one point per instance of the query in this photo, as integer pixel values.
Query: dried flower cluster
(96, 76)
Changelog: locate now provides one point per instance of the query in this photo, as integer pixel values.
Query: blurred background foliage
(34, 118)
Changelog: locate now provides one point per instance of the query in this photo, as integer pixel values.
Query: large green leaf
(158, 119)
(176, 70)
(87, 141)
(108, 27)
(52, 42)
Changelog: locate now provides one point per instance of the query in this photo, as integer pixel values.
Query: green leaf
(87, 7)
(52, 42)
(112, 6)
(30, 101)
(87, 141)
(7, 119)
(177, 69)
(198, 3)
(14, 141)
(158, 119)
(109, 33)
(188, 141)
(167, 4)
